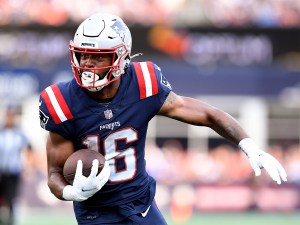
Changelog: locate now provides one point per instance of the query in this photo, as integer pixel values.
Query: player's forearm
(56, 183)
(226, 126)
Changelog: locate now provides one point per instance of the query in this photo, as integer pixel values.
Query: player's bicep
(187, 110)
(171, 103)
(58, 150)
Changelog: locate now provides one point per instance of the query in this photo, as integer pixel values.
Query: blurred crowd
(171, 164)
(220, 179)
(218, 13)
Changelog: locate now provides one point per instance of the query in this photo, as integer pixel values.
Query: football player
(106, 108)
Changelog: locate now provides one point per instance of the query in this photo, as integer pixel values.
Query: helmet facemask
(90, 78)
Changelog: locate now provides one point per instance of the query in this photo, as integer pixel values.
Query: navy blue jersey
(117, 129)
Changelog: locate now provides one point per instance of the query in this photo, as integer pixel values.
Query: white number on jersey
(112, 154)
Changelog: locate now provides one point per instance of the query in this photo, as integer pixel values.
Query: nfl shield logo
(108, 114)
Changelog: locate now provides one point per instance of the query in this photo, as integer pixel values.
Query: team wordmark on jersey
(110, 126)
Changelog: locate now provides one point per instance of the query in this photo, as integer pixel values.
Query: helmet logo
(119, 28)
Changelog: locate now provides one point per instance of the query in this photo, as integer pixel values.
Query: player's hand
(85, 187)
(271, 165)
(259, 159)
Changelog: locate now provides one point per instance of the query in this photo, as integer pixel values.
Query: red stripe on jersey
(153, 78)
(141, 80)
(61, 101)
(50, 107)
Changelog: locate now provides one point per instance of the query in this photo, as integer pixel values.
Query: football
(87, 156)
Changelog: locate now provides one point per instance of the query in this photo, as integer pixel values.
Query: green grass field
(50, 217)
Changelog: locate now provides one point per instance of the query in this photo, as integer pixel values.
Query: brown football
(87, 156)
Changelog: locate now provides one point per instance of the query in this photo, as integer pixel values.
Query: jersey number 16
(112, 153)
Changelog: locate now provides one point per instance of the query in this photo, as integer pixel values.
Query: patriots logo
(108, 114)
(119, 28)
(165, 82)
(43, 119)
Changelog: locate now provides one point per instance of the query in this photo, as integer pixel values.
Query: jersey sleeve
(54, 112)
(163, 84)
(151, 81)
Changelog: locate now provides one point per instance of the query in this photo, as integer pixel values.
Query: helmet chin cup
(87, 75)
(92, 81)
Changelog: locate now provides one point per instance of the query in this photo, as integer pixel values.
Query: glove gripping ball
(87, 156)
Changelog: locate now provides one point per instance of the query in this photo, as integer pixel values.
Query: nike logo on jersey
(144, 214)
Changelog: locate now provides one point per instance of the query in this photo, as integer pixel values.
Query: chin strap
(135, 55)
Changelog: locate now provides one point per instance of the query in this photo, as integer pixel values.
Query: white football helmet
(101, 33)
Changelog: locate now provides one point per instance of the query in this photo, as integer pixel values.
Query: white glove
(260, 159)
(85, 187)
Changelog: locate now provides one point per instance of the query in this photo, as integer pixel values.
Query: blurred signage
(34, 48)
(237, 47)
(226, 48)
(219, 61)
(243, 197)
(197, 46)
(17, 84)
(204, 48)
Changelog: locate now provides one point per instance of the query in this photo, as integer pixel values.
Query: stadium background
(242, 56)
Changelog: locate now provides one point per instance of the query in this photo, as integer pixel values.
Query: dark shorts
(9, 188)
(151, 216)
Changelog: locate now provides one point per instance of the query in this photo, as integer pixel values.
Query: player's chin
(102, 73)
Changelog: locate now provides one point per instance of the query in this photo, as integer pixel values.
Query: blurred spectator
(13, 143)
